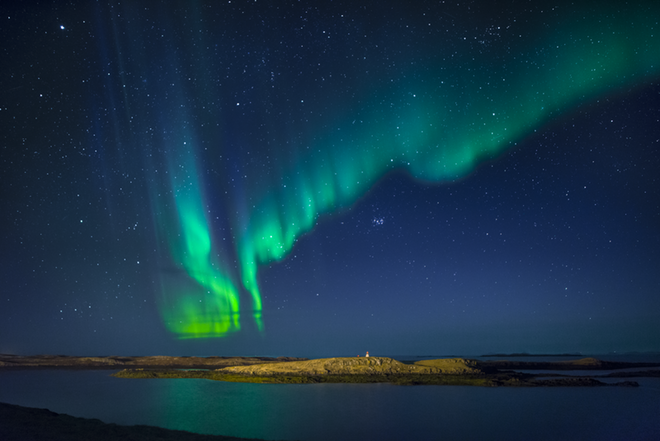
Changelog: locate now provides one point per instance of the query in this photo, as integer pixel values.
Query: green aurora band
(206, 304)
(438, 125)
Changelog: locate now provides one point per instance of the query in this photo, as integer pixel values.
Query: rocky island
(452, 371)
(443, 371)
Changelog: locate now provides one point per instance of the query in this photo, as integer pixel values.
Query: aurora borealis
(184, 171)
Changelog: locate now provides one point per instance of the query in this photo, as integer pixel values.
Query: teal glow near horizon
(437, 120)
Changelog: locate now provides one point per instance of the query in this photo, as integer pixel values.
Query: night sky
(313, 179)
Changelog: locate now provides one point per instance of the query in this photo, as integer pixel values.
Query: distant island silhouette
(526, 354)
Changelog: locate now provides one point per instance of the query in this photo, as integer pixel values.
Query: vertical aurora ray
(204, 302)
(199, 297)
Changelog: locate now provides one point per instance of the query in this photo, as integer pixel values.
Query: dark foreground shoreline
(18, 423)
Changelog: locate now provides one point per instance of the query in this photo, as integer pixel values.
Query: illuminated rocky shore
(450, 371)
(453, 371)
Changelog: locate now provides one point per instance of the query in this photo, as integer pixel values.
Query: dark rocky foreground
(19, 423)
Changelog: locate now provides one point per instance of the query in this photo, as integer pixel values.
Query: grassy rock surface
(452, 366)
(453, 371)
(357, 366)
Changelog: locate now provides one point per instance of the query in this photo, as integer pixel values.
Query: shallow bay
(346, 411)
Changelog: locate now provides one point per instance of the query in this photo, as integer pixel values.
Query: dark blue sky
(243, 178)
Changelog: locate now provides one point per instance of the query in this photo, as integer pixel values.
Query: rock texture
(455, 366)
(360, 366)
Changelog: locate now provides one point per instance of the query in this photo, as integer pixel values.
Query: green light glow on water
(439, 125)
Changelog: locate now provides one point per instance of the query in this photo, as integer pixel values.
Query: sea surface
(345, 411)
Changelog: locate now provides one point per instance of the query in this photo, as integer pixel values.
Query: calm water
(339, 411)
